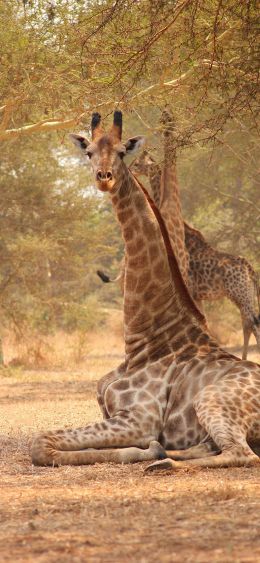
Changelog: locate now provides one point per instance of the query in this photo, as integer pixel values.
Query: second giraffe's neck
(156, 307)
(153, 172)
(169, 185)
(170, 203)
(166, 196)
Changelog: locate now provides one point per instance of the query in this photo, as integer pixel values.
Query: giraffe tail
(104, 277)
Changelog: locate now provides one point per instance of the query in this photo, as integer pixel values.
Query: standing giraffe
(212, 274)
(179, 386)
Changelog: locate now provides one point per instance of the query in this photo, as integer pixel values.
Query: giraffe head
(106, 151)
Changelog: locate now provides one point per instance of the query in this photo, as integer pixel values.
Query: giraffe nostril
(104, 175)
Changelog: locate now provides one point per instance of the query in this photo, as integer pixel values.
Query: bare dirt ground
(107, 512)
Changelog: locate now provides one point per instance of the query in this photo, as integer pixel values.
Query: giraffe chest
(182, 429)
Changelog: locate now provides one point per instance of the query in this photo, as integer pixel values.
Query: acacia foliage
(62, 59)
(54, 234)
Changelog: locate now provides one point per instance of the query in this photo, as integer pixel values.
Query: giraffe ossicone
(176, 384)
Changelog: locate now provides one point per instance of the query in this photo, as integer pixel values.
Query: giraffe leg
(103, 384)
(221, 418)
(203, 449)
(247, 333)
(71, 447)
(235, 457)
(256, 331)
(120, 455)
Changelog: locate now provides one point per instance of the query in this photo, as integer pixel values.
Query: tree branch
(41, 126)
(7, 114)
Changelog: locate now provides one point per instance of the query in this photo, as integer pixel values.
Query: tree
(61, 60)
(54, 233)
(70, 58)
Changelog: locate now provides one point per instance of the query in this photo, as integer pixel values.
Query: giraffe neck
(170, 204)
(156, 307)
(154, 174)
(166, 196)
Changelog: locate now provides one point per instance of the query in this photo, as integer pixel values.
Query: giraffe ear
(133, 144)
(79, 141)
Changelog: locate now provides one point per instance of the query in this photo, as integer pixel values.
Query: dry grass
(109, 513)
(66, 350)
(63, 351)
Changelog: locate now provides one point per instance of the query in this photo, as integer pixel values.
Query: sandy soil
(106, 512)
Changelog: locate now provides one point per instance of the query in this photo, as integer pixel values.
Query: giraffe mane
(173, 263)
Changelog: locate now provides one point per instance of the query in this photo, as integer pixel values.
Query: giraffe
(179, 387)
(212, 274)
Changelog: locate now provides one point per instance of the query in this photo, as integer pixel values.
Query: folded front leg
(204, 449)
(70, 447)
(120, 455)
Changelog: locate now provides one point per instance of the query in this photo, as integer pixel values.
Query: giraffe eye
(89, 154)
(121, 154)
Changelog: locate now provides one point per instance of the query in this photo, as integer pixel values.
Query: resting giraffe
(168, 194)
(212, 274)
(178, 386)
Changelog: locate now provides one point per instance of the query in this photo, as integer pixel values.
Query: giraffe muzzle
(104, 176)
(105, 180)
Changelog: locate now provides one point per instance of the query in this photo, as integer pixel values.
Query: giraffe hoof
(157, 451)
(160, 465)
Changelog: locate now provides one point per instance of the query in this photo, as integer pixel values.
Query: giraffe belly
(203, 293)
